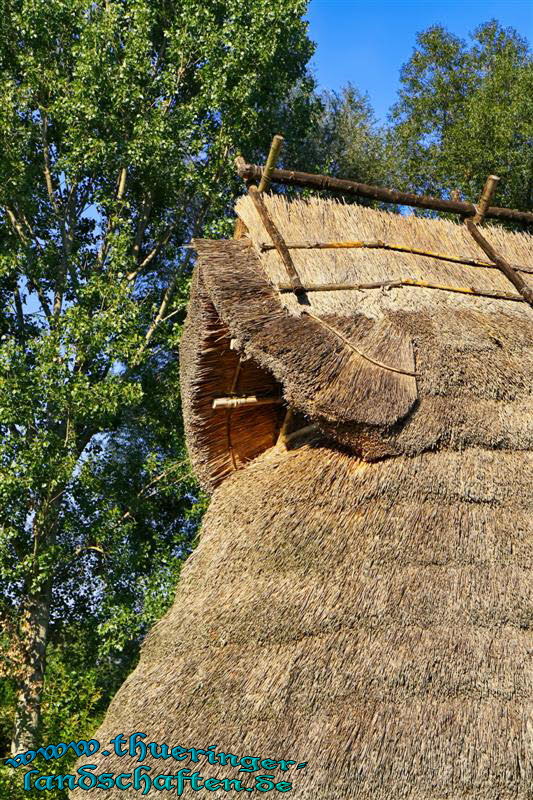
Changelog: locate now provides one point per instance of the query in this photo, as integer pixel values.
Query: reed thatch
(361, 597)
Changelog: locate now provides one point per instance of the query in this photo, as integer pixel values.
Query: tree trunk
(31, 673)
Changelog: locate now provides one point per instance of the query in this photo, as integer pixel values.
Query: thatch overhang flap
(365, 365)
(311, 364)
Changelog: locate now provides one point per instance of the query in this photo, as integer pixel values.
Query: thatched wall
(220, 443)
(361, 601)
(373, 620)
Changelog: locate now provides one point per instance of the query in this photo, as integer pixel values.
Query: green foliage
(119, 122)
(74, 699)
(466, 111)
(347, 142)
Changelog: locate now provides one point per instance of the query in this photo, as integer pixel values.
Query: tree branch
(144, 213)
(60, 215)
(169, 291)
(121, 188)
(20, 315)
(122, 183)
(15, 224)
(42, 298)
(46, 156)
(160, 244)
(144, 489)
(17, 227)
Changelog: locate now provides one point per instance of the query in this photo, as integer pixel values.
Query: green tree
(465, 110)
(346, 140)
(118, 125)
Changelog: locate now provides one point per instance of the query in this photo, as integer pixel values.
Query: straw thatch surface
(222, 442)
(361, 601)
(373, 620)
(326, 221)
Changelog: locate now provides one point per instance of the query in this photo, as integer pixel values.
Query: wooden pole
(397, 284)
(486, 198)
(278, 241)
(240, 164)
(285, 425)
(240, 230)
(275, 147)
(514, 277)
(299, 432)
(497, 259)
(311, 181)
(378, 245)
(251, 400)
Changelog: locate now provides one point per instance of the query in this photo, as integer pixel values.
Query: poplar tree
(119, 122)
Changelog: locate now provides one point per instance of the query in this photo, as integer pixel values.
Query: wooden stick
(251, 400)
(239, 229)
(287, 421)
(340, 287)
(278, 241)
(497, 259)
(486, 198)
(516, 279)
(345, 287)
(308, 180)
(275, 147)
(470, 262)
(240, 164)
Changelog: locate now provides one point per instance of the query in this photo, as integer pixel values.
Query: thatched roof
(360, 600)
(374, 621)
(318, 364)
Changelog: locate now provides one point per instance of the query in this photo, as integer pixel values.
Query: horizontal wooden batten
(240, 402)
(378, 245)
(398, 284)
(325, 182)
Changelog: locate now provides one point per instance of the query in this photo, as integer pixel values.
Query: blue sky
(367, 42)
